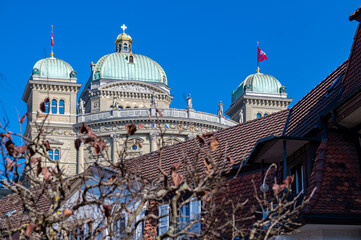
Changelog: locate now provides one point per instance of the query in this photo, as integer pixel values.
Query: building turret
(257, 96)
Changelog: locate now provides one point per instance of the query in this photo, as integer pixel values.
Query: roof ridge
(356, 15)
(328, 76)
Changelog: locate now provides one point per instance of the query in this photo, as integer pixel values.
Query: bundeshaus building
(128, 88)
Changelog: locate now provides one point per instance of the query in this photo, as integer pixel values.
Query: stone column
(115, 138)
(153, 136)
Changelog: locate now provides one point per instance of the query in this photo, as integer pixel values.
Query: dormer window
(131, 59)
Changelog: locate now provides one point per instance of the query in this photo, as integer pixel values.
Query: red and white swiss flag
(261, 55)
(52, 39)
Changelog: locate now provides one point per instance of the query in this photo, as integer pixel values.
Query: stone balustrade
(170, 113)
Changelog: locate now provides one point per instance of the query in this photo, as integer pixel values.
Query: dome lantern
(123, 42)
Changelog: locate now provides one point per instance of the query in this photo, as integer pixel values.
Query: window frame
(61, 105)
(52, 106)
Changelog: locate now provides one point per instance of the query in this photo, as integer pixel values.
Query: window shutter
(164, 221)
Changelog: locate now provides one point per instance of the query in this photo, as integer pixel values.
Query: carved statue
(241, 116)
(81, 106)
(115, 103)
(220, 109)
(189, 102)
(154, 100)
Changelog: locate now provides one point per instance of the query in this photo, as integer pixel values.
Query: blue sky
(207, 48)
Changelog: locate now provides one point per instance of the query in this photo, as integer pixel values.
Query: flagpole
(257, 58)
(52, 40)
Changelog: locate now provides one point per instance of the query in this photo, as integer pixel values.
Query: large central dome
(120, 66)
(124, 65)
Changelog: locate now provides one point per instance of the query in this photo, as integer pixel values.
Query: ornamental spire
(123, 27)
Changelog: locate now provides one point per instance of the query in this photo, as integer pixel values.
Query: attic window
(131, 59)
(335, 84)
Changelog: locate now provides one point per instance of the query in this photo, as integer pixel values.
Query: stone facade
(123, 88)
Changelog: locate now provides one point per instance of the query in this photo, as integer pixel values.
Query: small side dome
(259, 83)
(53, 68)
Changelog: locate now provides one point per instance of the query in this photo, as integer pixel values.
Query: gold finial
(258, 69)
(52, 54)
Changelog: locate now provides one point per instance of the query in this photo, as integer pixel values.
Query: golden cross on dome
(123, 27)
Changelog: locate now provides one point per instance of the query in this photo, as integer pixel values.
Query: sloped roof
(352, 79)
(305, 113)
(336, 174)
(236, 142)
(12, 209)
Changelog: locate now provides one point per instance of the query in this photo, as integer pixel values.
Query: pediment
(130, 86)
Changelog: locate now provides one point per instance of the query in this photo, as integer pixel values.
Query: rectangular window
(119, 228)
(297, 185)
(190, 212)
(164, 221)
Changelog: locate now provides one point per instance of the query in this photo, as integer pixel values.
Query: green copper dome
(53, 68)
(258, 83)
(120, 66)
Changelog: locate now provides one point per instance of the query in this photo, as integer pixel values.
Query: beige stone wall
(58, 127)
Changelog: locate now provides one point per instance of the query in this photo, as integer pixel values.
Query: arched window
(56, 155)
(61, 107)
(50, 154)
(47, 107)
(131, 59)
(259, 115)
(266, 114)
(120, 107)
(125, 47)
(54, 106)
(127, 107)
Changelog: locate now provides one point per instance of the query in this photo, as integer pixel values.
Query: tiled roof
(304, 114)
(355, 15)
(352, 79)
(12, 210)
(336, 174)
(236, 142)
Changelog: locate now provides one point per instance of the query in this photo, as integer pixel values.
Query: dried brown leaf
(159, 112)
(47, 145)
(131, 128)
(9, 164)
(107, 209)
(207, 164)
(29, 229)
(230, 159)
(35, 160)
(22, 119)
(201, 139)
(67, 212)
(288, 181)
(43, 104)
(77, 143)
(46, 174)
(214, 144)
(10, 147)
